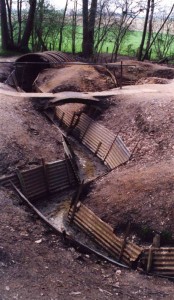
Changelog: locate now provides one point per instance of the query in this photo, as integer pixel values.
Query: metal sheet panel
(162, 260)
(97, 138)
(5, 181)
(103, 234)
(82, 126)
(60, 176)
(35, 182)
(64, 117)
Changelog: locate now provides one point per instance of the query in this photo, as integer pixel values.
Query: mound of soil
(79, 78)
(26, 135)
(142, 190)
(135, 70)
(5, 68)
(152, 80)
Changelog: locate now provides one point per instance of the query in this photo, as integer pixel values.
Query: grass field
(128, 47)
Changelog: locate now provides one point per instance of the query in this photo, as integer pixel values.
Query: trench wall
(109, 147)
(48, 178)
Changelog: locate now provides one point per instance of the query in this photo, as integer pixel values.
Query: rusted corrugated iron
(34, 182)
(51, 177)
(162, 260)
(103, 234)
(29, 65)
(82, 126)
(65, 118)
(59, 177)
(100, 140)
(5, 181)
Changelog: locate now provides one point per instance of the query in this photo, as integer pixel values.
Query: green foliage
(129, 46)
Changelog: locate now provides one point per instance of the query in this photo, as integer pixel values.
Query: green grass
(128, 47)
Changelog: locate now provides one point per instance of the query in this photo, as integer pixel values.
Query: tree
(157, 33)
(62, 26)
(129, 10)
(16, 28)
(88, 27)
(140, 52)
(74, 26)
(150, 32)
(104, 23)
(5, 35)
(165, 39)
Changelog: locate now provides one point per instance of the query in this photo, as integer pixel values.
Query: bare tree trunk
(91, 27)
(172, 8)
(9, 9)
(62, 26)
(147, 56)
(19, 12)
(88, 27)
(29, 25)
(6, 42)
(74, 27)
(144, 30)
(85, 28)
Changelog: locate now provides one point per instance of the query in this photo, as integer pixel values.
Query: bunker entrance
(28, 66)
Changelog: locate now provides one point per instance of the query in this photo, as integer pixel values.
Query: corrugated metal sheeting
(162, 260)
(101, 141)
(33, 182)
(153, 260)
(51, 177)
(103, 234)
(28, 66)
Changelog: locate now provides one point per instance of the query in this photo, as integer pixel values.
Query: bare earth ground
(36, 264)
(141, 191)
(26, 136)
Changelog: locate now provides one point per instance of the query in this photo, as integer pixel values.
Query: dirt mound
(142, 189)
(135, 70)
(152, 80)
(5, 70)
(140, 195)
(79, 78)
(26, 136)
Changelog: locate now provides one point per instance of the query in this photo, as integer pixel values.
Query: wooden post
(86, 129)
(22, 183)
(121, 75)
(75, 201)
(124, 240)
(107, 153)
(98, 147)
(155, 244)
(68, 169)
(61, 120)
(150, 259)
(71, 124)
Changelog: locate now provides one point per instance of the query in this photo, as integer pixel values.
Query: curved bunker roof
(28, 66)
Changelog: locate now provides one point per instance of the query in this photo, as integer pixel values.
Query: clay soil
(37, 264)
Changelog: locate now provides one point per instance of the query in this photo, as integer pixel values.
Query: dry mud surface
(37, 264)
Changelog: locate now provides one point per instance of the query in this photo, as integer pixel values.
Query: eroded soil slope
(142, 191)
(26, 135)
(79, 78)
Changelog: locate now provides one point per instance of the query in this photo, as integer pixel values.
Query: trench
(60, 209)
